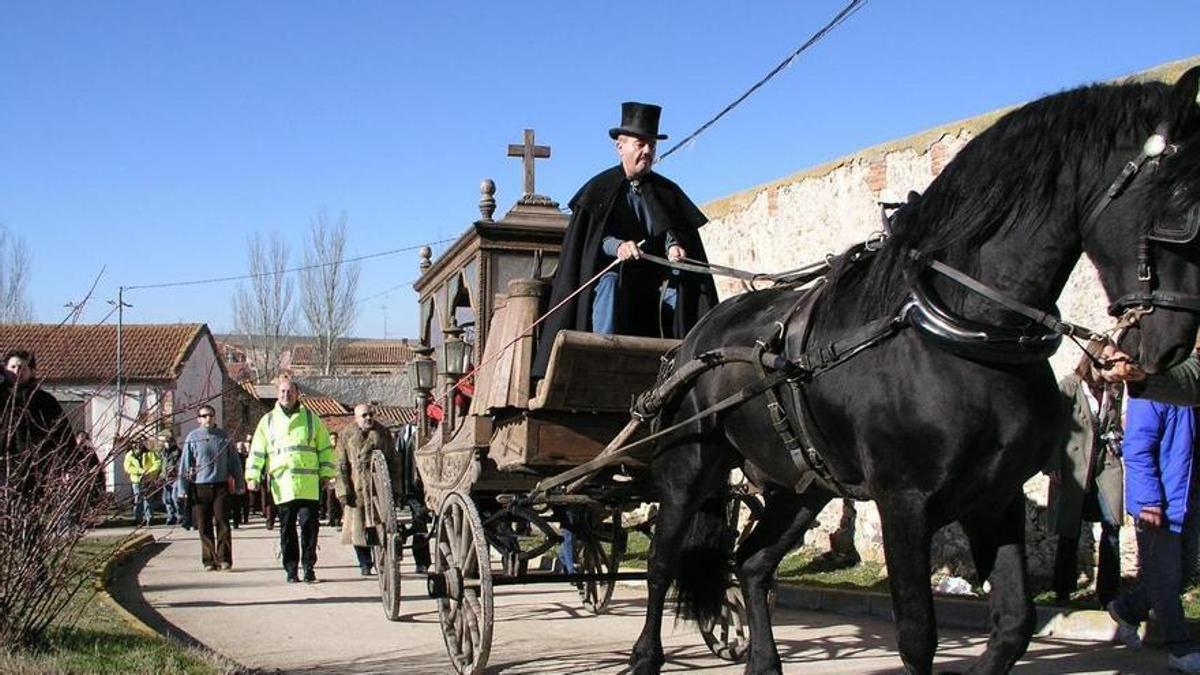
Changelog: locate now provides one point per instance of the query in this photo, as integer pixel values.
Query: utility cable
(239, 277)
(841, 16)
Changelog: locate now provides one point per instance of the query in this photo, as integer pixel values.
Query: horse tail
(706, 561)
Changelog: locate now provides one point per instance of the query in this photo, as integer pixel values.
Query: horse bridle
(1143, 300)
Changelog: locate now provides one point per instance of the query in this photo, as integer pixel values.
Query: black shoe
(292, 577)
(367, 570)
(310, 576)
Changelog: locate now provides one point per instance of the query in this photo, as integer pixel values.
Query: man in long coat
(354, 470)
(620, 214)
(1087, 481)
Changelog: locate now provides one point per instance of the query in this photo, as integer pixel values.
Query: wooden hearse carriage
(503, 474)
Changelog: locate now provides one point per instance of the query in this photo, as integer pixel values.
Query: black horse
(933, 436)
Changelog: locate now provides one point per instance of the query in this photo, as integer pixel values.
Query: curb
(104, 575)
(950, 612)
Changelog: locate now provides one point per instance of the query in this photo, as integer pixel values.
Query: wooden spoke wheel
(599, 548)
(729, 636)
(462, 583)
(390, 537)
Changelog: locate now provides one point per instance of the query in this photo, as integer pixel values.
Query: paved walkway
(337, 625)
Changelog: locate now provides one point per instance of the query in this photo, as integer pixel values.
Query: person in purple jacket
(1158, 478)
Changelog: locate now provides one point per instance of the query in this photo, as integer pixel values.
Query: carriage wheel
(463, 576)
(599, 548)
(729, 636)
(387, 552)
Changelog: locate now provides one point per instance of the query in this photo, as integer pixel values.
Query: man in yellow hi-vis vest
(293, 445)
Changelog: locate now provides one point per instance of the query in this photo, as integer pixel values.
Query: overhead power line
(240, 277)
(837, 20)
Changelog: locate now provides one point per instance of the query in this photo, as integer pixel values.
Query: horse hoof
(645, 665)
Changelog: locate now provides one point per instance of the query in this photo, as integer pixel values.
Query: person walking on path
(333, 506)
(142, 466)
(1086, 480)
(1158, 479)
(292, 445)
(171, 497)
(239, 511)
(354, 470)
(209, 473)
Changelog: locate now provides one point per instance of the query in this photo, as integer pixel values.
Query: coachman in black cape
(600, 209)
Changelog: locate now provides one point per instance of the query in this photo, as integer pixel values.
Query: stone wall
(801, 218)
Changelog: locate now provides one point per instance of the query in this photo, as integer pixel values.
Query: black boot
(292, 577)
(309, 575)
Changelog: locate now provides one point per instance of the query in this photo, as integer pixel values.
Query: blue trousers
(170, 499)
(604, 300)
(143, 510)
(1160, 583)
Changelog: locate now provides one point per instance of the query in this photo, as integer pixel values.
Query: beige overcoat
(354, 469)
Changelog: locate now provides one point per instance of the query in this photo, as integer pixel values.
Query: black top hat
(638, 119)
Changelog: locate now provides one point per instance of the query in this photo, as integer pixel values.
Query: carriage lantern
(426, 370)
(455, 353)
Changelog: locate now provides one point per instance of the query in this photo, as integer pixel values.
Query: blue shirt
(208, 458)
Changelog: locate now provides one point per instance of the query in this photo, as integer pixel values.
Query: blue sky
(154, 137)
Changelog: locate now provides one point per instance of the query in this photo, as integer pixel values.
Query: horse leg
(781, 528)
(998, 546)
(906, 539)
(690, 473)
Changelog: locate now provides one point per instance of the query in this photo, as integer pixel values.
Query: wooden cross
(528, 152)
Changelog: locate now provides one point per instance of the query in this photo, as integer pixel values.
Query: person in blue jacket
(1158, 475)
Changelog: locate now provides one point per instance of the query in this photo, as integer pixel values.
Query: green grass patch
(91, 636)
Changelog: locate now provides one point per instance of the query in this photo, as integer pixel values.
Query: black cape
(599, 204)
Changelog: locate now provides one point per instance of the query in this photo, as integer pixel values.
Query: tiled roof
(393, 415)
(323, 405)
(89, 353)
(387, 415)
(358, 354)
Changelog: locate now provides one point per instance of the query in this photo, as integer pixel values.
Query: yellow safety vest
(296, 452)
(146, 467)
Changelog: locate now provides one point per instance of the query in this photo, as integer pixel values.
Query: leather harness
(780, 372)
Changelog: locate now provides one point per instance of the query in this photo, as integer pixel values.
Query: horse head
(1141, 230)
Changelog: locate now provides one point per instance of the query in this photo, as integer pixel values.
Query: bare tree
(14, 279)
(328, 285)
(262, 307)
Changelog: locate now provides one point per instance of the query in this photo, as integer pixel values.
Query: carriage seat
(598, 373)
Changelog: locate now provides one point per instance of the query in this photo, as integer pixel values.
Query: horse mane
(1009, 177)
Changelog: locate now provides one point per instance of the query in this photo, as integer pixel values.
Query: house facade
(167, 371)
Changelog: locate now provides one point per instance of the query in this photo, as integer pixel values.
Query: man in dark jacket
(619, 215)
(36, 417)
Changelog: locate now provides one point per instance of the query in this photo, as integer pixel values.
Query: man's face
(207, 418)
(333, 438)
(17, 369)
(288, 395)
(364, 416)
(637, 155)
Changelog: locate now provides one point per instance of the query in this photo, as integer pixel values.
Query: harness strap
(1047, 319)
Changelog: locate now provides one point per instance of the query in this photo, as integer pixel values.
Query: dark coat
(36, 420)
(1085, 462)
(598, 210)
